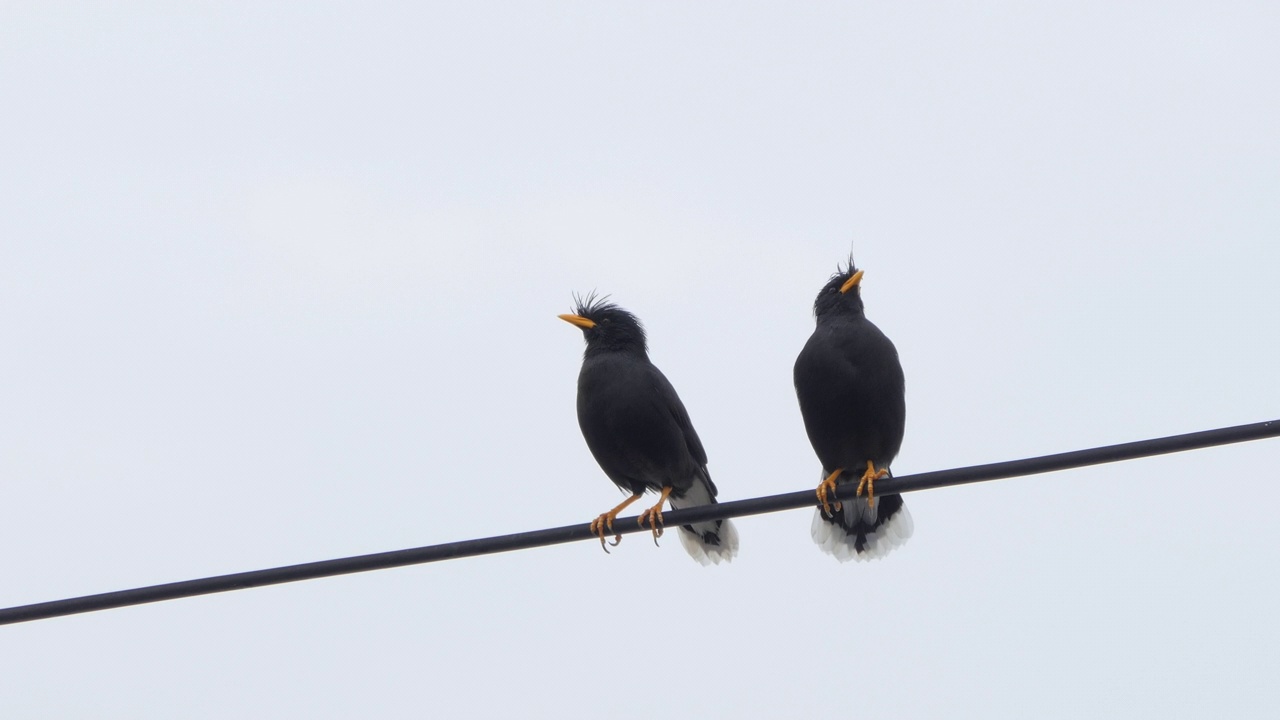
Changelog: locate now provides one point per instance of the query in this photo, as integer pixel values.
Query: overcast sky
(279, 283)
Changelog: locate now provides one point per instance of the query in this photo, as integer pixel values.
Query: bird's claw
(869, 479)
(605, 520)
(828, 486)
(654, 516)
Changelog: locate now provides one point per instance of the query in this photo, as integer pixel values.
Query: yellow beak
(578, 320)
(848, 285)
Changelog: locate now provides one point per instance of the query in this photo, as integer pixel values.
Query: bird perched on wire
(639, 431)
(852, 396)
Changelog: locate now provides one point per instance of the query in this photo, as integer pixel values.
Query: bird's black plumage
(851, 390)
(638, 429)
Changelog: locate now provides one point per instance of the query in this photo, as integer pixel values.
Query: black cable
(570, 533)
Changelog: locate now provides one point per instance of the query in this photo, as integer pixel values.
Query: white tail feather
(704, 552)
(834, 541)
(707, 554)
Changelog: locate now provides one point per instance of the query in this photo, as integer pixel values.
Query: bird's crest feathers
(592, 303)
(831, 298)
(615, 328)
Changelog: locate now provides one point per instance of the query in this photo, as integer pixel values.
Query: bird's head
(842, 294)
(606, 326)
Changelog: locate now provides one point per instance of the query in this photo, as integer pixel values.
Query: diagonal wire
(571, 533)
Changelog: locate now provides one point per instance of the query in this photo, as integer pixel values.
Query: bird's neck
(841, 316)
(616, 349)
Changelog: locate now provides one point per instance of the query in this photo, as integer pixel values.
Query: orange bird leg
(829, 486)
(869, 479)
(654, 515)
(606, 520)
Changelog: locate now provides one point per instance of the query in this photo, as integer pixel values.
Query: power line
(571, 533)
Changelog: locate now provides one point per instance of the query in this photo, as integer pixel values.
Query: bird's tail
(710, 543)
(861, 532)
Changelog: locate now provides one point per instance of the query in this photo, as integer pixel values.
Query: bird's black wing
(675, 407)
(626, 412)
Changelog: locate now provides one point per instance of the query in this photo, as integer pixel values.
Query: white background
(278, 283)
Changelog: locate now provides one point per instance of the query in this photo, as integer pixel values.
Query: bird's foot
(869, 479)
(829, 486)
(654, 515)
(605, 520)
(598, 528)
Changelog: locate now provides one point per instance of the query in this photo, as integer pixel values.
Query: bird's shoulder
(850, 338)
(847, 349)
(618, 370)
(623, 383)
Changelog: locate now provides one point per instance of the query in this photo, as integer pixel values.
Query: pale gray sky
(279, 283)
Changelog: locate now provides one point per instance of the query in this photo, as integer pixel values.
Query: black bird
(639, 431)
(852, 396)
